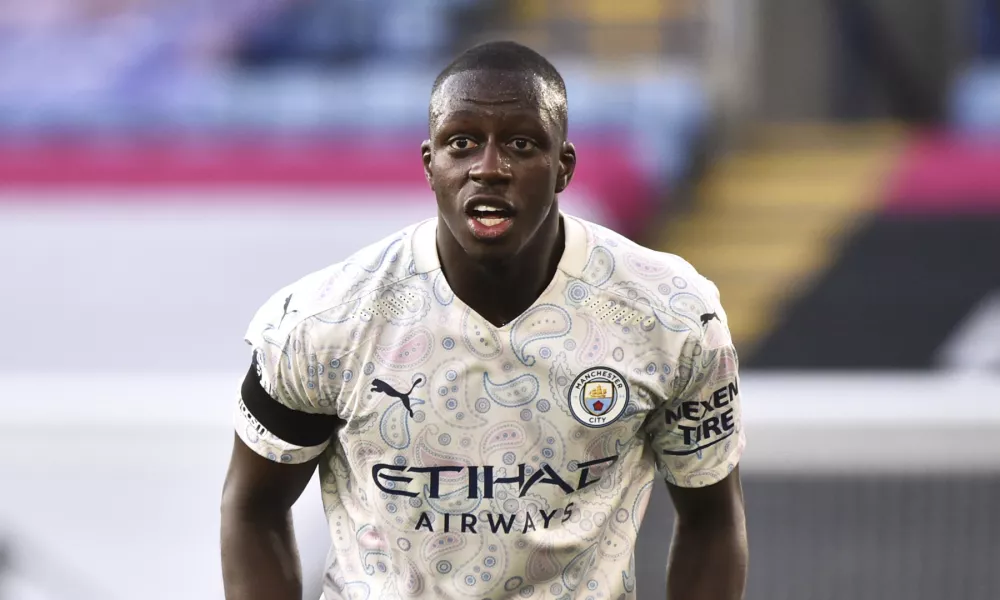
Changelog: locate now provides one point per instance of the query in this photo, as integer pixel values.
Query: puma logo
(380, 386)
(708, 317)
(286, 312)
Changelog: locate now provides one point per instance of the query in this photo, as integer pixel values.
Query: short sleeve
(697, 432)
(280, 413)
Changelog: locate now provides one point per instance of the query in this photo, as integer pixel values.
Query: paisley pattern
(426, 455)
(577, 568)
(639, 506)
(594, 346)
(628, 577)
(484, 570)
(442, 544)
(560, 378)
(655, 365)
(689, 307)
(646, 267)
(637, 294)
(577, 293)
(672, 322)
(618, 536)
(542, 564)
(357, 590)
(479, 337)
(465, 473)
(409, 353)
(683, 312)
(395, 425)
(455, 502)
(550, 445)
(504, 436)
(369, 263)
(348, 312)
(365, 454)
(516, 392)
(373, 550)
(412, 579)
(600, 267)
(442, 292)
(451, 404)
(538, 323)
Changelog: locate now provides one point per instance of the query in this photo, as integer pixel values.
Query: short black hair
(507, 56)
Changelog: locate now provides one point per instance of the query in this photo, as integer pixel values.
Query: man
(489, 394)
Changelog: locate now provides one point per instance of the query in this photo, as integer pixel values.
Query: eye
(522, 144)
(462, 143)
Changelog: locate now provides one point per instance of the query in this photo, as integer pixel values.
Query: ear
(567, 166)
(425, 153)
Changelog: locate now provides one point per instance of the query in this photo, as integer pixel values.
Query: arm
(698, 439)
(259, 556)
(709, 554)
(284, 420)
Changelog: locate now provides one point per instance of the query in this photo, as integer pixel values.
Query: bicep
(720, 503)
(255, 483)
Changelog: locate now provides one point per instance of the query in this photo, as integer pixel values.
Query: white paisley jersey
(475, 461)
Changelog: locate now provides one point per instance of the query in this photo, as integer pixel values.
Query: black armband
(291, 426)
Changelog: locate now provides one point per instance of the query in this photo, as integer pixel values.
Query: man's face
(496, 157)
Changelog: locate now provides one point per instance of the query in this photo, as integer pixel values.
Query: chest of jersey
(444, 408)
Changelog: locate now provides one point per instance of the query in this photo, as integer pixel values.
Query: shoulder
(661, 285)
(331, 295)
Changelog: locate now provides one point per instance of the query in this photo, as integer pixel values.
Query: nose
(492, 166)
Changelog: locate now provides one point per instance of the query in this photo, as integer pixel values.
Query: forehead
(495, 93)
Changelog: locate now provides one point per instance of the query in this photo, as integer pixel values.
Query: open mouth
(489, 218)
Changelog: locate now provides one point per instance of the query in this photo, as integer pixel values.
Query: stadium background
(834, 166)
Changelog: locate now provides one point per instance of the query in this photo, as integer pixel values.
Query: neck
(500, 292)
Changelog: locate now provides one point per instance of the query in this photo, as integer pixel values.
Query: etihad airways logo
(481, 480)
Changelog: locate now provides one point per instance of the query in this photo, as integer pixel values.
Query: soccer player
(490, 394)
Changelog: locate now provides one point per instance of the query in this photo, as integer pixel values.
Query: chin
(492, 252)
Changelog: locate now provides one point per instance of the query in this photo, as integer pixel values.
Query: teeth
(490, 221)
(484, 208)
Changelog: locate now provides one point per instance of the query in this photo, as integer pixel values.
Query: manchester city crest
(598, 396)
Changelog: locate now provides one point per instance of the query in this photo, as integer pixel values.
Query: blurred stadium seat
(976, 100)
